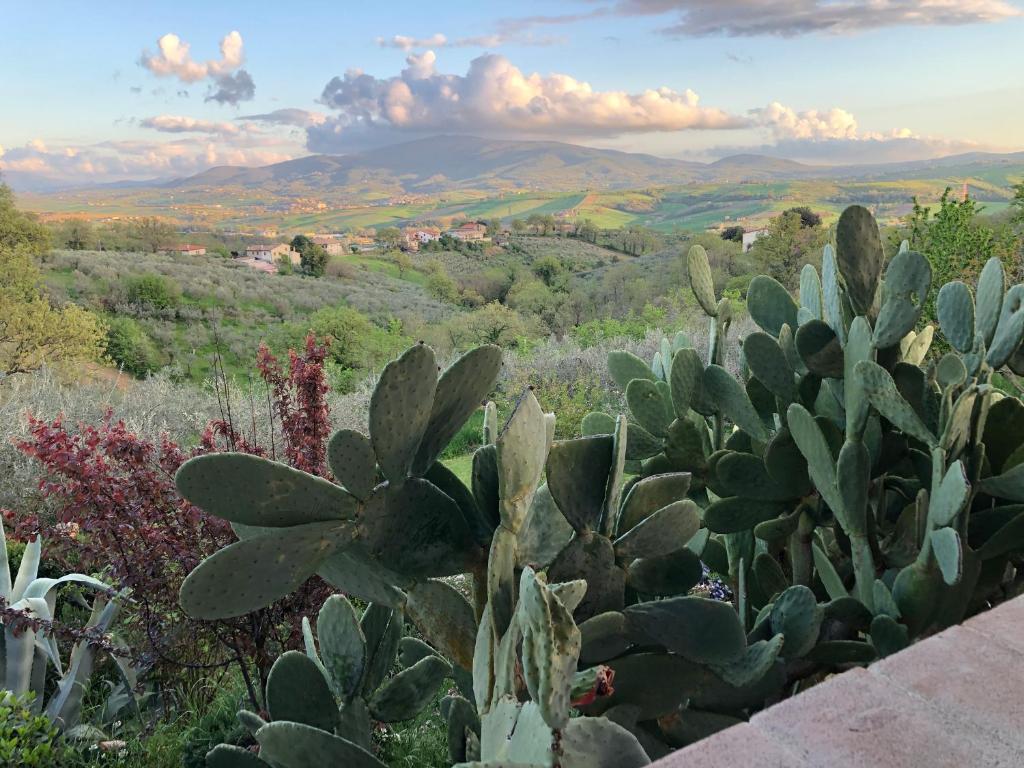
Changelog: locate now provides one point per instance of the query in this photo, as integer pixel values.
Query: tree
(492, 323)
(1017, 204)
(734, 233)
(586, 230)
(518, 226)
(440, 285)
(808, 218)
(954, 241)
(130, 347)
(787, 245)
(76, 235)
(550, 270)
(32, 331)
(389, 238)
(151, 290)
(18, 229)
(151, 233)
(403, 262)
(312, 257)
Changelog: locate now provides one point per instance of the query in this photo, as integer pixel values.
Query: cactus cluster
(28, 652)
(857, 490)
(322, 703)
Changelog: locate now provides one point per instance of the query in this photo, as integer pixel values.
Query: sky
(92, 93)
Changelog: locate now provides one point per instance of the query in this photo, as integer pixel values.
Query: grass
(462, 466)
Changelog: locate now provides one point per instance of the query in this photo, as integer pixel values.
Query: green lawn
(462, 466)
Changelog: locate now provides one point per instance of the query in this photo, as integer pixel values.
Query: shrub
(113, 493)
(156, 291)
(130, 347)
(29, 740)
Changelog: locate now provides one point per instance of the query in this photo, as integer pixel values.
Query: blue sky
(87, 95)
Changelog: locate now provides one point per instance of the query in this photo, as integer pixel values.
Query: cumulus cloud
(835, 124)
(232, 89)
(787, 18)
(174, 59)
(132, 160)
(183, 124)
(301, 118)
(495, 98)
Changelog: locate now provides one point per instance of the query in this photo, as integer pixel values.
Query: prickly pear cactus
(327, 699)
(858, 491)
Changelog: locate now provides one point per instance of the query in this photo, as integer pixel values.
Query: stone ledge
(955, 699)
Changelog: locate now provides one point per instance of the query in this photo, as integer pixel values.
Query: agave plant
(28, 652)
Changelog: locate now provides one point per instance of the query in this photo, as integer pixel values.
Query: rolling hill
(442, 163)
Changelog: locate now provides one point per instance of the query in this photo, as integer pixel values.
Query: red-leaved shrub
(119, 513)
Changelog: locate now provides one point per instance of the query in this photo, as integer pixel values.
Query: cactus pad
(297, 691)
(577, 472)
(672, 574)
(734, 514)
(342, 646)
(770, 305)
(418, 530)
(255, 491)
(859, 257)
(768, 363)
(797, 615)
(732, 400)
(991, 287)
(625, 366)
(649, 406)
(596, 423)
(819, 349)
(253, 573)
(699, 271)
(353, 462)
(651, 494)
(665, 531)
(405, 694)
(461, 389)
(400, 410)
(1009, 330)
(294, 745)
(955, 309)
(701, 630)
(907, 281)
(445, 618)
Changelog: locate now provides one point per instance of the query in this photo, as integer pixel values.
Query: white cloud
(183, 124)
(289, 116)
(786, 124)
(175, 60)
(408, 42)
(514, 35)
(495, 98)
(787, 18)
(137, 160)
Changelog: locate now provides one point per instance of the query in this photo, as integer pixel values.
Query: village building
(417, 236)
(267, 257)
(188, 249)
(469, 231)
(751, 236)
(330, 243)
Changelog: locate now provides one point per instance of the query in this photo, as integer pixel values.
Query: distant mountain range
(446, 163)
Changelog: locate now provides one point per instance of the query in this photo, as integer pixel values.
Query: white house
(751, 236)
(272, 253)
